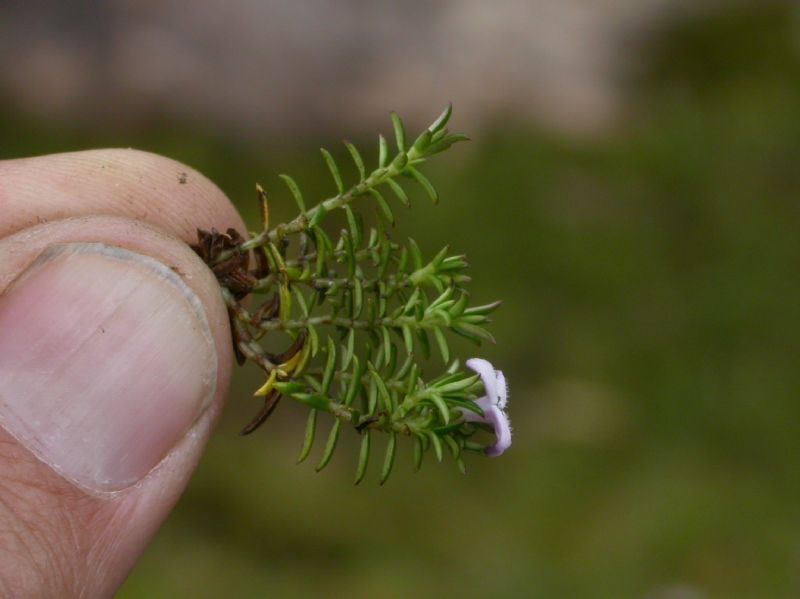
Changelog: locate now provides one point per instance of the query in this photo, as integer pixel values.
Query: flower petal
(488, 376)
(484, 404)
(502, 431)
(502, 390)
(493, 405)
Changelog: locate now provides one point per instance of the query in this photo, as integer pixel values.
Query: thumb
(114, 359)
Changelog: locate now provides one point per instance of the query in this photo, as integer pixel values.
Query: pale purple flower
(493, 405)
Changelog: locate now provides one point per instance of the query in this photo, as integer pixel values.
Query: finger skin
(128, 183)
(57, 540)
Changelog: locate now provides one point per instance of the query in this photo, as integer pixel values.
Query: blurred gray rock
(253, 66)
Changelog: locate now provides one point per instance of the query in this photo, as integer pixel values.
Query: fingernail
(106, 360)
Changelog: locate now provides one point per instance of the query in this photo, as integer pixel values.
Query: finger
(114, 361)
(138, 185)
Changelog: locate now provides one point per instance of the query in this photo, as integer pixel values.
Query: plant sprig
(434, 140)
(359, 311)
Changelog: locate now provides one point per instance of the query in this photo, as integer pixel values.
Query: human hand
(115, 358)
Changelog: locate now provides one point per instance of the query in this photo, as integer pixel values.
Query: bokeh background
(631, 193)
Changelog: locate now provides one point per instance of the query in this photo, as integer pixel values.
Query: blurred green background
(650, 334)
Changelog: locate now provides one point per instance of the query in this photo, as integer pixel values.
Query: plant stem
(343, 321)
(301, 222)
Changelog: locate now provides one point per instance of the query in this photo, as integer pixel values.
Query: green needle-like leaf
(408, 338)
(473, 332)
(399, 192)
(330, 446)
(416, 254)
(355, 382)
(385, 210)
(399, 132)
(383, 151)
(445, 143)
(337, 176)
(382, 390)
(388, 460)
(423, 180)
(453, 446)
(330, 366)
(363, 457)
(358, 298)
(308, 440)
(441, 341)
(356, 227)
(357, 160)
(372, 397)
(300, 301)
(419, 452)
(437, 445)
(295, 191)
(439, 402)
(442, 120)
(349, 349)
(423, 141)
(387, 344)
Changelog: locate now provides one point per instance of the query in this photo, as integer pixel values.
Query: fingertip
(131, 183)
